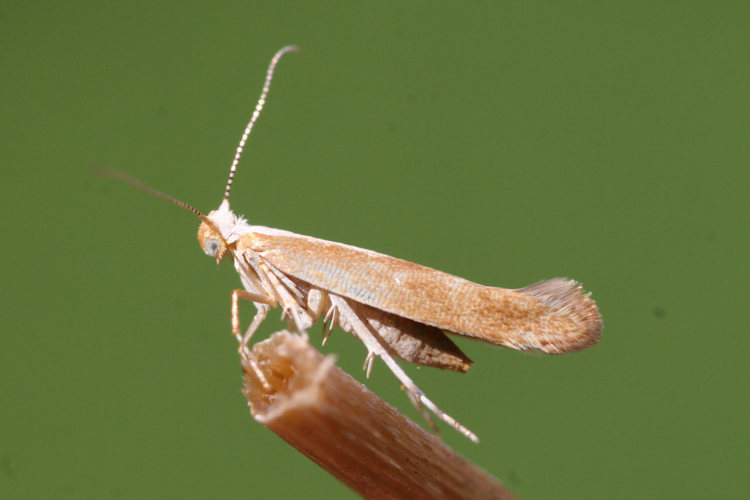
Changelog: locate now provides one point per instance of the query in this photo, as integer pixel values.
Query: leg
(376, 346)
(260, 315)
(331, 314)
(290, 306)
(262, 303)
(369, 360)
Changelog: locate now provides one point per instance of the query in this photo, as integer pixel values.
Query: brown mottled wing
(553, 316)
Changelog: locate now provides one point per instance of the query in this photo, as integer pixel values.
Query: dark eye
(212, 247)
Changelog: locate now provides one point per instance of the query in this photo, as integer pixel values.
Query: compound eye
(212, 247)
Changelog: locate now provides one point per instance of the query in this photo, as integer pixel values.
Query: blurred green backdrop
(505, 142)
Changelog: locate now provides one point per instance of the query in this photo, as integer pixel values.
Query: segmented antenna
(122, 176)
(256, 113)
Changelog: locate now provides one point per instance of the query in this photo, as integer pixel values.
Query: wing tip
(567, 297)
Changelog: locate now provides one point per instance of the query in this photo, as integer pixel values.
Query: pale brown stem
(350, 432)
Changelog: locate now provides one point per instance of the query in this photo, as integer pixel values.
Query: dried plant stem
(349, 431)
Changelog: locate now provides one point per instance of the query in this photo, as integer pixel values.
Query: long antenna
(133, 181)
(256, 113)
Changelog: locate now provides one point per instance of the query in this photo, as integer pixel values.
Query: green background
(505, 142)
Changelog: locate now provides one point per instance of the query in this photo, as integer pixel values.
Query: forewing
(552, 316)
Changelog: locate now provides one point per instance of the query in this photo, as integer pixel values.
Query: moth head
(211, 241)
(216, 232)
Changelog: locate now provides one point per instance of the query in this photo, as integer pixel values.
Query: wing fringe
(567, 298)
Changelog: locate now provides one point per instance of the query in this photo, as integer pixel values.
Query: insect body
(398, 309)
(395, 307)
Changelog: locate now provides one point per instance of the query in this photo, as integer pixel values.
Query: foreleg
(262, 303)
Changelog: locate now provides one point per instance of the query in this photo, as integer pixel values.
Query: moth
(397, 309)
